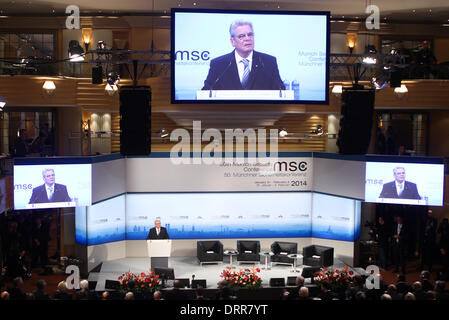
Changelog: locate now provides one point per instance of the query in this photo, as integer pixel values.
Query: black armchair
(209, 251)
(248, 251)
(318, 256)
(281, 251)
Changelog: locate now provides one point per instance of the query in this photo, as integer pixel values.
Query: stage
(185, 267)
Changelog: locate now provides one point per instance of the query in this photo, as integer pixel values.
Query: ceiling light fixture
(111, 89)
(401, 91)
(337, 90)
(283, 132)
(164, 133)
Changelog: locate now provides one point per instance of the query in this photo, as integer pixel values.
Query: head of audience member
(84, 284)
(385, 296)
(381, 220)
(391, 289)
(17, 282)
(177, 284)
(409, 296)
(41, 284)
(62, 286)
(157, 295)
(303, 292)
(129, 296)
(400, 220)
(431, 295)
(425, 275)
(440, 286)
(105, 295)
(300, 281)
(4, 296)
(417, 286)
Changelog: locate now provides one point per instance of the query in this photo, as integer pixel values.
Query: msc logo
(290, 166)
(192, 55)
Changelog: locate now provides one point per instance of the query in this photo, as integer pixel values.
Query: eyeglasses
(242, 36)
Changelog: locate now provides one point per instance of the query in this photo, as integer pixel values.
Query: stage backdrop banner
(220, 215)
(161, 175)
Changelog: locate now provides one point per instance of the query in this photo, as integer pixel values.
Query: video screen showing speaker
(52, 186)
(249, 56)
(404, 183)
(135, 120)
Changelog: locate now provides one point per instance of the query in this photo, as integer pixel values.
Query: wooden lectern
(159, 251)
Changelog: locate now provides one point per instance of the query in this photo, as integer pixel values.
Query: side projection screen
(404, 183)
(52, 186)
(247, 56)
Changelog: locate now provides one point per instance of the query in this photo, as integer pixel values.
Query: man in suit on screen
(399, 188)
(157, 232)
(243, 68)
(50, 191)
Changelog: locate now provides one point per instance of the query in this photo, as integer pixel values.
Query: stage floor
(185, 267)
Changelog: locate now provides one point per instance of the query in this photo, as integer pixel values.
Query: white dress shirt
(50, 191)
(240, 65)
(400, 187)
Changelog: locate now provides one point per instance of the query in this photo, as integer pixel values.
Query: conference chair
(209, 251)
(248, 251)
(318, 256)
(281, 251)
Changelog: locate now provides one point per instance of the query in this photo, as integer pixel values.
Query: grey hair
(395, 169)
(45, 170)
(238, 23)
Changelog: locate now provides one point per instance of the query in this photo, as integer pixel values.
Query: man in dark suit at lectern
(400, 188)
(157, 232)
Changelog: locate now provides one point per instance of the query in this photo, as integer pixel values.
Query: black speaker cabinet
(199, 282)
(97, 75)
(277, 282)
(135, 120)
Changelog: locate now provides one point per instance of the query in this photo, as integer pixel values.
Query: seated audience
(62, 292)
(39, 293)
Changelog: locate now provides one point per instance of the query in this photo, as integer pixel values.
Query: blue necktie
(245, 73)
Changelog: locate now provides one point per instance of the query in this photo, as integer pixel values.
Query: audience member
(4, 296)
(105, 295)
(440, 291)
(292, 294)
(399, 244)
(129, 296)
(62, 292)
(157, 295)
(419, 293)
(409, 296)
(39, 293)
(303, 294)
(431, 295)
(443, 230)
(15, 291)
(199, 293)
(176, 293)
(385, 296)
(428, 242)
(425, 281)
(326, 294)
(393, 292)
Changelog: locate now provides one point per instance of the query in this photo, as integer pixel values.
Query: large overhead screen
(286, 54)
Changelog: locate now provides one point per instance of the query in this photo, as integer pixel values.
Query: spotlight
(163, 133)
(283, 132)
(76, 52)
(113, 78)
(49, 87)
(3, 102)
(369, 60)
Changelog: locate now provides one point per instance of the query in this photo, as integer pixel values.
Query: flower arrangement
(246, 278)
(143, 282)
(338, 279)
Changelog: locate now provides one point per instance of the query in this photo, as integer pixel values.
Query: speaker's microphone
(219, 78)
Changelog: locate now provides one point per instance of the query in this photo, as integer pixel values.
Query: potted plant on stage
(144, 284)
(338, 279)
(242, 279)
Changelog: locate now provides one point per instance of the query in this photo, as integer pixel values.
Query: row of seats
(248, 251)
